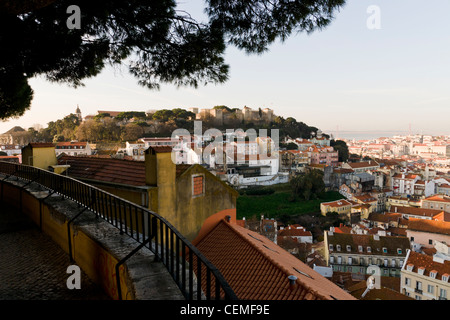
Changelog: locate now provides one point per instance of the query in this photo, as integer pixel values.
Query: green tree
(342, 148)
(309, 185)
(162, 43)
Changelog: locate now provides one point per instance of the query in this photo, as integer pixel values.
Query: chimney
(160, 172)
(292, 282)
(159, 167)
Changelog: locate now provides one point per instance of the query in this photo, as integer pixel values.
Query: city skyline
(344, 78)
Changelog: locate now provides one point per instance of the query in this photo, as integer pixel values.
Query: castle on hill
(225, 116)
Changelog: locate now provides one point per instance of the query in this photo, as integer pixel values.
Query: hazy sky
(347, 77)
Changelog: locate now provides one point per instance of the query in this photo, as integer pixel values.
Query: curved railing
(150, 230)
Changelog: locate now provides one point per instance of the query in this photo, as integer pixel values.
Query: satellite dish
(370, 282)
(370, 285)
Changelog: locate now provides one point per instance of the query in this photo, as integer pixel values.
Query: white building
(136, 150)
(73, 148)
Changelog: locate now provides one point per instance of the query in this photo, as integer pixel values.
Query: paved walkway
(32, 266)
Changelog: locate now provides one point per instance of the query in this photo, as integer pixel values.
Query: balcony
(123, 246)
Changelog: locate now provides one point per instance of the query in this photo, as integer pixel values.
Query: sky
(345, 78)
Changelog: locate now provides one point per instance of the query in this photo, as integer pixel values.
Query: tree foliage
(308, 186)
(342, 148)
(159, 42)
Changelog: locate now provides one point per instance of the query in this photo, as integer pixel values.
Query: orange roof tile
(438, 198)
(426, 225)
(41, 144)
(419, 260)
(258, 269)
(106, 169)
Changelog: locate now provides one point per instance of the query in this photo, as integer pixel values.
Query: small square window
(198, 186)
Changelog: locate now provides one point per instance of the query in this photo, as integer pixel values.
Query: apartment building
(437, 202)
(354, 253)
(426, 277)
(73, 148)
(423, 232)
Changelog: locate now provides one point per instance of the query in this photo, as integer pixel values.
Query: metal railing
(181, 258)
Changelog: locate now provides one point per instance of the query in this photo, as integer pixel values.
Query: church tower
(78, 113)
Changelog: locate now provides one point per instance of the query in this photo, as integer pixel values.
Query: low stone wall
(96, 246)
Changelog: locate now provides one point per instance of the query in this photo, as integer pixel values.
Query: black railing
(196, 277)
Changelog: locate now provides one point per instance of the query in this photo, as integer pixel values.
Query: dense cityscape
(378, 208)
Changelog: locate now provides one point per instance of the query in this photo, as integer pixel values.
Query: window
(430, 289)
(331, 259)
(198, 186)
(399, 251)
(338, 247)
(445, 277)
(442, 294)
(349, 248)
(421, 271)
(433, 274)
(360, 248)
(369, 249)
(407, 282)
(409, 267)
(418, 287)
(330, 247)
(430, 241)
(384, 250)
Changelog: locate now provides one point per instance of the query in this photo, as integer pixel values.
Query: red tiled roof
(161, 149)
(106, 169)
(291, 232)
(419, 260)
(41, 144)
(121, 171)
(363, 164)
(415, 211)
(258, 269)
(438, 198)
(426, 225)
(71, 143)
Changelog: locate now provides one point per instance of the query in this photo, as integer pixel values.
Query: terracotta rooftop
(121, 171)
(415, 211)
(391, 243)
(41, 145)
(291, 232)
(363, 164)
(337, 203)
(432, 226)
(258, 269)
(106, 169)
(419, 260)
(438, 198)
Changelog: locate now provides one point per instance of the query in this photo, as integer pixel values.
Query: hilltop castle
(225, 116)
